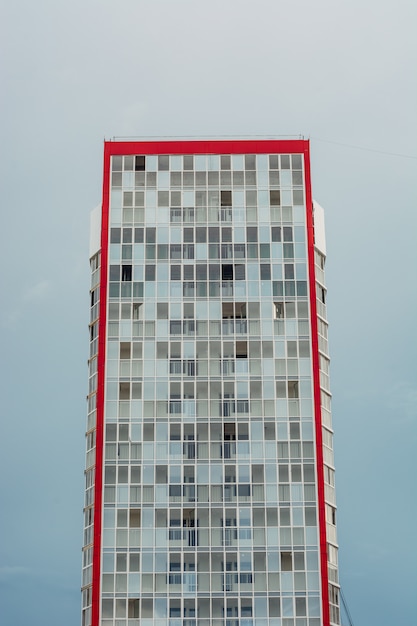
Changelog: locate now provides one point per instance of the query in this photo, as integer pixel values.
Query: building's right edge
(322, 409)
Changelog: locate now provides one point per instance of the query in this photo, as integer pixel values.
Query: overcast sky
(342, 73)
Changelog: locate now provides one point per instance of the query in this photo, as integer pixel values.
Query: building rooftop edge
(205, 146)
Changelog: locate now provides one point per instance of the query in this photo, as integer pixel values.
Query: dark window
(126, 273)
(138, 235)
(150, 235)
(188, 235)
(139, 163)
(227, 272)
(275, 198)
(226, 198)
(286, 561)
(188, 162)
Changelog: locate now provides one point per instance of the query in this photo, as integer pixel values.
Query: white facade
(206, 478)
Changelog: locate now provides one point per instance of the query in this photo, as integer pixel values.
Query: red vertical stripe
(316, 391)
(101, 370)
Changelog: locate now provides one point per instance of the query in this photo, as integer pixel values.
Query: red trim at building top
(101, 370)
(317, 394)
(215, 146)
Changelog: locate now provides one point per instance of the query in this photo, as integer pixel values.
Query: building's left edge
(100, 403)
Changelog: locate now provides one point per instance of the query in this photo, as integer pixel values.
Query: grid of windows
(210, 496)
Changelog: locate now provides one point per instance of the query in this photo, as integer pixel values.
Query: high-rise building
(209, 473)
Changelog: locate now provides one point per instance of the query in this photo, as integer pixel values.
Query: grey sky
(73, 73)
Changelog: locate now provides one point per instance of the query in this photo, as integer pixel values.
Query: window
(139, 163)
(227, 272)
(163, 163)
(265, 271)
(162, 310)
(286, 561)
(126, 273)
(226, 214)
(239, 272)
(188, 251)
(279, 310)
(188, 215)
(175, 215)
(293, 389)
(275, 197)
(175, 272)
(137, 311)
(188, 272)
(175, 327)
(175, 251)
(150, 272)
(125, 350)
(226, 198)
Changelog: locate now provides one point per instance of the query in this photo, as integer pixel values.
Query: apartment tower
(209, 466)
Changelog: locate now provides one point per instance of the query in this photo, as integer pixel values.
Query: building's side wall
(327, 430)
(91, 433)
